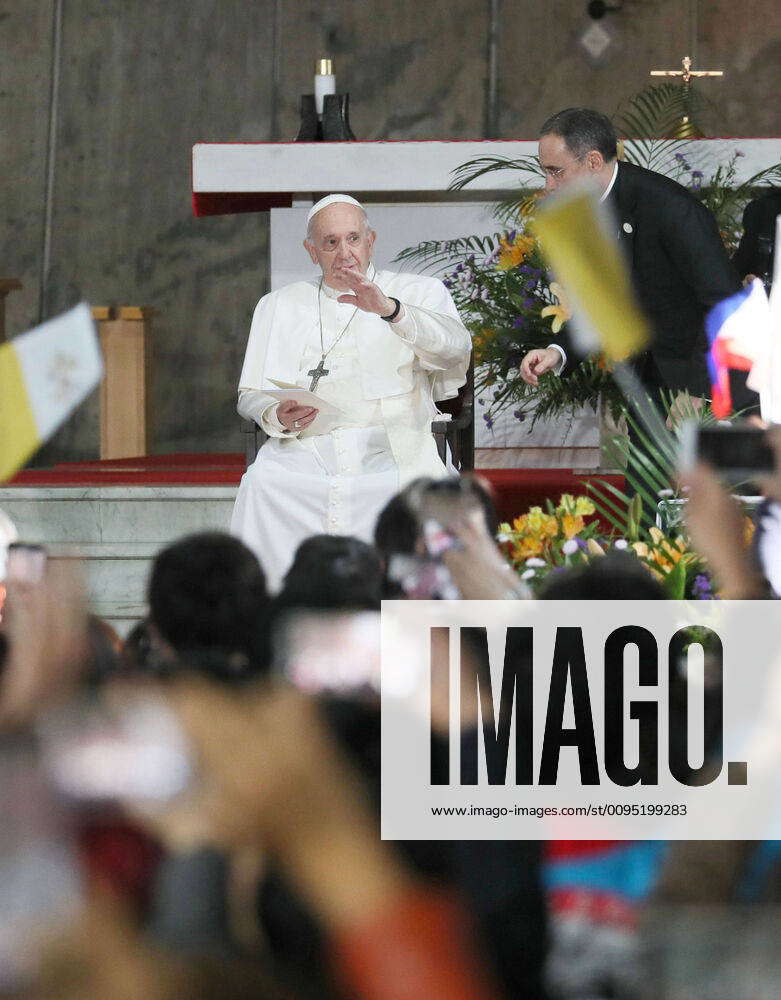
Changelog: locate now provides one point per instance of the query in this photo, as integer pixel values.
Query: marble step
(116, 531)
(86, 515)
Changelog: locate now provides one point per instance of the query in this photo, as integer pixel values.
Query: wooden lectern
(124, 392)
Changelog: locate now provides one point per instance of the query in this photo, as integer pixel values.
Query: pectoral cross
(317, 373)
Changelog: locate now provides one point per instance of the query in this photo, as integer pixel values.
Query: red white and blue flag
(739, 337)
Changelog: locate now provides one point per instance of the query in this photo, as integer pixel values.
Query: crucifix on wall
(686, 129)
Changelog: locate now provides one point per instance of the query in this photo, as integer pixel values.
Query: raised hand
(364, 293)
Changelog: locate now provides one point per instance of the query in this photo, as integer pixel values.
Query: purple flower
(531, 283)
(702, 589)
(519, 415)
(528, 303)
(481, 402)
(519, 321)
(511, 236)
(459, 268)
(696, 182)
(489, 421)
(581, 544)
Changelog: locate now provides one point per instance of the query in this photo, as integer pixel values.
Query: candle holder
(334, 126)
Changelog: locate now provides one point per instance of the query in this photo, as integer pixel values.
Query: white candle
(325, 82)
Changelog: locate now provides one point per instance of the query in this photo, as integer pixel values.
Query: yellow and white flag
(575, 232)
(44, 375)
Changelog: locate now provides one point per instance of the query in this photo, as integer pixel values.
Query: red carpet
(515, 489)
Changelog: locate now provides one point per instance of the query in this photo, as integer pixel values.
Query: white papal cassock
(385, 377)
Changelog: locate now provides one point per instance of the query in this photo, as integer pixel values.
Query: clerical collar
(609, 188)
(334, 293)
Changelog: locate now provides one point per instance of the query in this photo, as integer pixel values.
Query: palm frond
(444, 254)
(656, 111)
(526, 167)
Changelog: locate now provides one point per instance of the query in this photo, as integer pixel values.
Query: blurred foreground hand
(46, 627)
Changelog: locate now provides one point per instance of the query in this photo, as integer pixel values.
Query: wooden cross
(317, 373)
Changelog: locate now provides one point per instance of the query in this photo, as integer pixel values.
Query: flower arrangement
(505, 296)
(551, 537)
(541, 542)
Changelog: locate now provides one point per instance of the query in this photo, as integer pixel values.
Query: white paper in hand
(328, 417)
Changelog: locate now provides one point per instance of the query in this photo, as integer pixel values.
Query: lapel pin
(627, 227)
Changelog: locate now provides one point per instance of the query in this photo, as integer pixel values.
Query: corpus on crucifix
(686, 129)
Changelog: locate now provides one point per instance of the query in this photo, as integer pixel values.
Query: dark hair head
(583, 130)
(333, 572)
(208, 601)
(618, 576)
(398, 527)
(104, 647)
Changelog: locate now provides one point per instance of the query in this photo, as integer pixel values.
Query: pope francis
(380, 347)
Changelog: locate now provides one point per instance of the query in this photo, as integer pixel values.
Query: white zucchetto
(331, 199)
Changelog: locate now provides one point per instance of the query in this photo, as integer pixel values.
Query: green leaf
(675, 582)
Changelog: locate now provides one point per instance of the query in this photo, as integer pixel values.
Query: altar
(405, 188)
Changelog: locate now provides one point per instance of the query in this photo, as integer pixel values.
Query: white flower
(570, 547)
(528, 574)
(620, 543)
(502, 537)
(534, 561)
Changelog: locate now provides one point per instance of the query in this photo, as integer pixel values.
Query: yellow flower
(513, 254)
(594, 547)
(566, 503)
(560, 312)
(519, 524)
(550, 526)
(640, 549)
(584, 506)
(534, 519)
(572, 524)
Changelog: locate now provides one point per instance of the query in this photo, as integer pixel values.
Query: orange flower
(480, 342)
(526, 547)
(604, 364)
(572, 524)
(513, 254)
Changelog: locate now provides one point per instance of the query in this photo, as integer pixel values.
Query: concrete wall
(140, 81)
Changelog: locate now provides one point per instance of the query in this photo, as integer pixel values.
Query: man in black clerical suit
(754, 257)
(677, 261)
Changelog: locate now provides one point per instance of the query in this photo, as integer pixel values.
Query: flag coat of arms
(44, 375)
